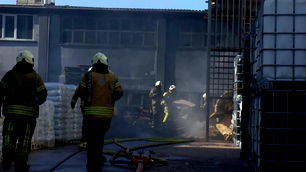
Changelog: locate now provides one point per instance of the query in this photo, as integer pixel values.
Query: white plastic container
(280, 43)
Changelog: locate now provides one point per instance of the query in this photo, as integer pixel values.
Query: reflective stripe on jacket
(105, 90)
(20, 110)
(22, 93)
(99, 111)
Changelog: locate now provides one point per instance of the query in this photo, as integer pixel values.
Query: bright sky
(160, 4)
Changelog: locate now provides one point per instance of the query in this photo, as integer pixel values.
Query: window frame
(4, 25)
(2, 28)
(108, 42)
(2, 37)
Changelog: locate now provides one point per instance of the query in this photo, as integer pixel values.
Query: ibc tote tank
(280, 44)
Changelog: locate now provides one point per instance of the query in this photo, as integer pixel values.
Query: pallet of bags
(55, 96)
(43, 136)
(73, 117)
(67, 122)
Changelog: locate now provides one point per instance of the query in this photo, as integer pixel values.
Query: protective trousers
(156, 115)
(95, 130)
(21, 131)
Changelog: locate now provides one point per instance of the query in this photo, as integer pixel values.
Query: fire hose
(139, 160)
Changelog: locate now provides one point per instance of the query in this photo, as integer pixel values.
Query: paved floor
(191, 157)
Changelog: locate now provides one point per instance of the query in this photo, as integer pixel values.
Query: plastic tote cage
(277, 126)
(280, 43)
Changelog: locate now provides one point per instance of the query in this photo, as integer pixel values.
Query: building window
(9, 26)
(193, 35)
(137, 38)
(102, 38)
(78, 37)
(67, 36)
(185, 40)
(16, 27)
(24, 27)
(0, 26)
(197, 40)
(108, 32)
(126, 38)
(90, 37)
(114, 38)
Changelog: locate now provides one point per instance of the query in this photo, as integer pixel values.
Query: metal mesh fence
(229, 22)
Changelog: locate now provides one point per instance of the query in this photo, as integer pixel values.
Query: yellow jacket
(99, 91)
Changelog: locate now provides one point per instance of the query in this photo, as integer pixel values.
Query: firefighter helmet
(172, 87)
(26, 55)
(99, 57)
(204, 96)
(157, 83)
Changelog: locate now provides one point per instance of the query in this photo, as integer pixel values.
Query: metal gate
(229, 21)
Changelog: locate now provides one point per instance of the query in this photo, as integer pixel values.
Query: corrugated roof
(67, 7)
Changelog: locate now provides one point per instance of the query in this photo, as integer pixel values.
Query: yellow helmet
(26, 55)
(99, 57)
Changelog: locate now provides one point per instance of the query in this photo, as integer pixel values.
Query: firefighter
(156, 97)
(203, 106)
(203, 102)
(167, 102)
(223, 110)
(21, 92)
(99, 88)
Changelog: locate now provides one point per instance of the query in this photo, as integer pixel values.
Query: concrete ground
(214, 156)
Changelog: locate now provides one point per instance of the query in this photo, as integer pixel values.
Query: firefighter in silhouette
(167, 102)
(156, 97)
(21, 92)
(223, 110)
(203, 101)
(203, 106)
(99, 88)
